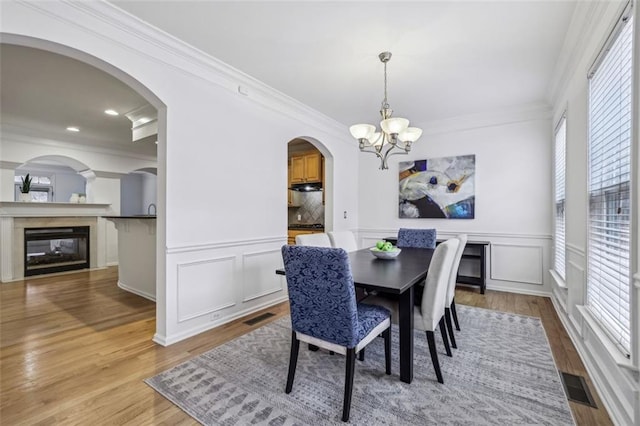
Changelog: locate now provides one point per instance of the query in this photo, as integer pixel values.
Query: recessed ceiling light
(111, 112)
(73, 129)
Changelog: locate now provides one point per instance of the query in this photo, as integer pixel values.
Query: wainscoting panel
(259, 278)
(515, 262)
(205, 287)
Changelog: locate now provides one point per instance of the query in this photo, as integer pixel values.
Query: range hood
(306, 187)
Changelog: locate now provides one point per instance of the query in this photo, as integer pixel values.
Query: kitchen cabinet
(291, 198)
(306, 168)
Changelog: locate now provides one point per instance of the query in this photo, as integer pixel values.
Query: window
(41, 188)
(559, 234)
(608, 278)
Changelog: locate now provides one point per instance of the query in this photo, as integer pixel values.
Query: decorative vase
(25, 197)
(82, 199)
(74, 198)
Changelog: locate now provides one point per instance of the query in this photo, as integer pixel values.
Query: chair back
(419, 238)
(343, 239)
(435, 287)
(315, 240)
(322, 297)
(451, 289)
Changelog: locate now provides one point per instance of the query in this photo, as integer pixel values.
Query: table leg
(406, 335)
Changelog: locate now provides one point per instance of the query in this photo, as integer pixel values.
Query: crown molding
(184, 58)
(499, 117)
(12, 132)
(586, 17)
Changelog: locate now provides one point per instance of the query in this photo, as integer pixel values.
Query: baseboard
(508, 289)
(137, 292)
(170, 340)
(600, 382)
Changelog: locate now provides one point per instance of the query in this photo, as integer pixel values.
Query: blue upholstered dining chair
(420, 238)
(430, 313)
(450, 302)
(324, 311)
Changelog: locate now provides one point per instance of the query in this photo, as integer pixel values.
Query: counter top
(138, 216)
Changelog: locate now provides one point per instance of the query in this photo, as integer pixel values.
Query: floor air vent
(254, 321)
(577, 390)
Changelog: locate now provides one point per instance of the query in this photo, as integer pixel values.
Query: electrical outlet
(215, 316)
(345, 214)
(299, 217)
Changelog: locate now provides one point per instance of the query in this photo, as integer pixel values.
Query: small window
(560, 168)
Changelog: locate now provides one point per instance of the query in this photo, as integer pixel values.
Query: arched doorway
(309, 164)
(158, 105)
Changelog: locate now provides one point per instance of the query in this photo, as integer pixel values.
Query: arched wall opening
(161, 109)
(56, 178)
(315, 206)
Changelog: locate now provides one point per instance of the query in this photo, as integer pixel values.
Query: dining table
(396, 278)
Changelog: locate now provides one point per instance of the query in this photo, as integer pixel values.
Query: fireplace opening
(48, 250)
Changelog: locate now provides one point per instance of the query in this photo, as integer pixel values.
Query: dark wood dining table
(395, 277)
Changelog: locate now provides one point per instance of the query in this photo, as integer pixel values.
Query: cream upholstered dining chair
(418, 238)
(344, 240)
(430, 313)
(324, 311)
(315, 240)
(450, 304)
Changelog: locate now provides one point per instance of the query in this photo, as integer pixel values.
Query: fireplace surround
(56, 249)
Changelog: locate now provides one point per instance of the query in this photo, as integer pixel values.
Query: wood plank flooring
(75, 348)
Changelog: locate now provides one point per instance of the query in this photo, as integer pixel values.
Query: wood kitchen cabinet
(306, 168)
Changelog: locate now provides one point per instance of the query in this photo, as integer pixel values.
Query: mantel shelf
(31, 209)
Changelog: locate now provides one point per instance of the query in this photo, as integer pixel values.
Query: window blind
(560, 166)
(608, 251)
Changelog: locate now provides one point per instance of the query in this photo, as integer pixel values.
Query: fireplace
(48, 250)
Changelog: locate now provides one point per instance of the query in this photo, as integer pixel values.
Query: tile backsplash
(311, 209)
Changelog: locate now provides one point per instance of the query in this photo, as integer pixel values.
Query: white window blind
(559, 234)
(608, 280)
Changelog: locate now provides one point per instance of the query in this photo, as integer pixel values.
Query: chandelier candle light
(395, 132)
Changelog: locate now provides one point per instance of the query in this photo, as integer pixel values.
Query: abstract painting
(438, 188)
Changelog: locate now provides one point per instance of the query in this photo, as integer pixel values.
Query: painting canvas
(438, 188)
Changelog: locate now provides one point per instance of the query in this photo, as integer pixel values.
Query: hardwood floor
(74, 350)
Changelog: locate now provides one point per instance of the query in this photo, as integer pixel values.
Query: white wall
(612, 373)
(131, 194)
(512, 194)
(216, 254)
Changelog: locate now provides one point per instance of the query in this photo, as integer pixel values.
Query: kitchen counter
(306, 227)
(136, 254)
(135, 216)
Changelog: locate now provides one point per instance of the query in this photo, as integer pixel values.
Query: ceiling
(450, 59)
(43, 93)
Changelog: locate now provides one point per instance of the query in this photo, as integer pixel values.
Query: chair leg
(443, 331)
(293, 361)
(361, 355)
(348, 383)
(434, 355)
(387, 350)
(447, 318)
(455, 315)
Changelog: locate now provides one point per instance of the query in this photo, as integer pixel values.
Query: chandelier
(395, 131)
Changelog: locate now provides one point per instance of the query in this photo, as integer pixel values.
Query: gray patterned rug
(502, 373)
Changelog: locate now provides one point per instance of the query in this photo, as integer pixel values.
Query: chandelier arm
(376, 152)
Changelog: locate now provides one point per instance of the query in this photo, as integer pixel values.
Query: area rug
(502, 373)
